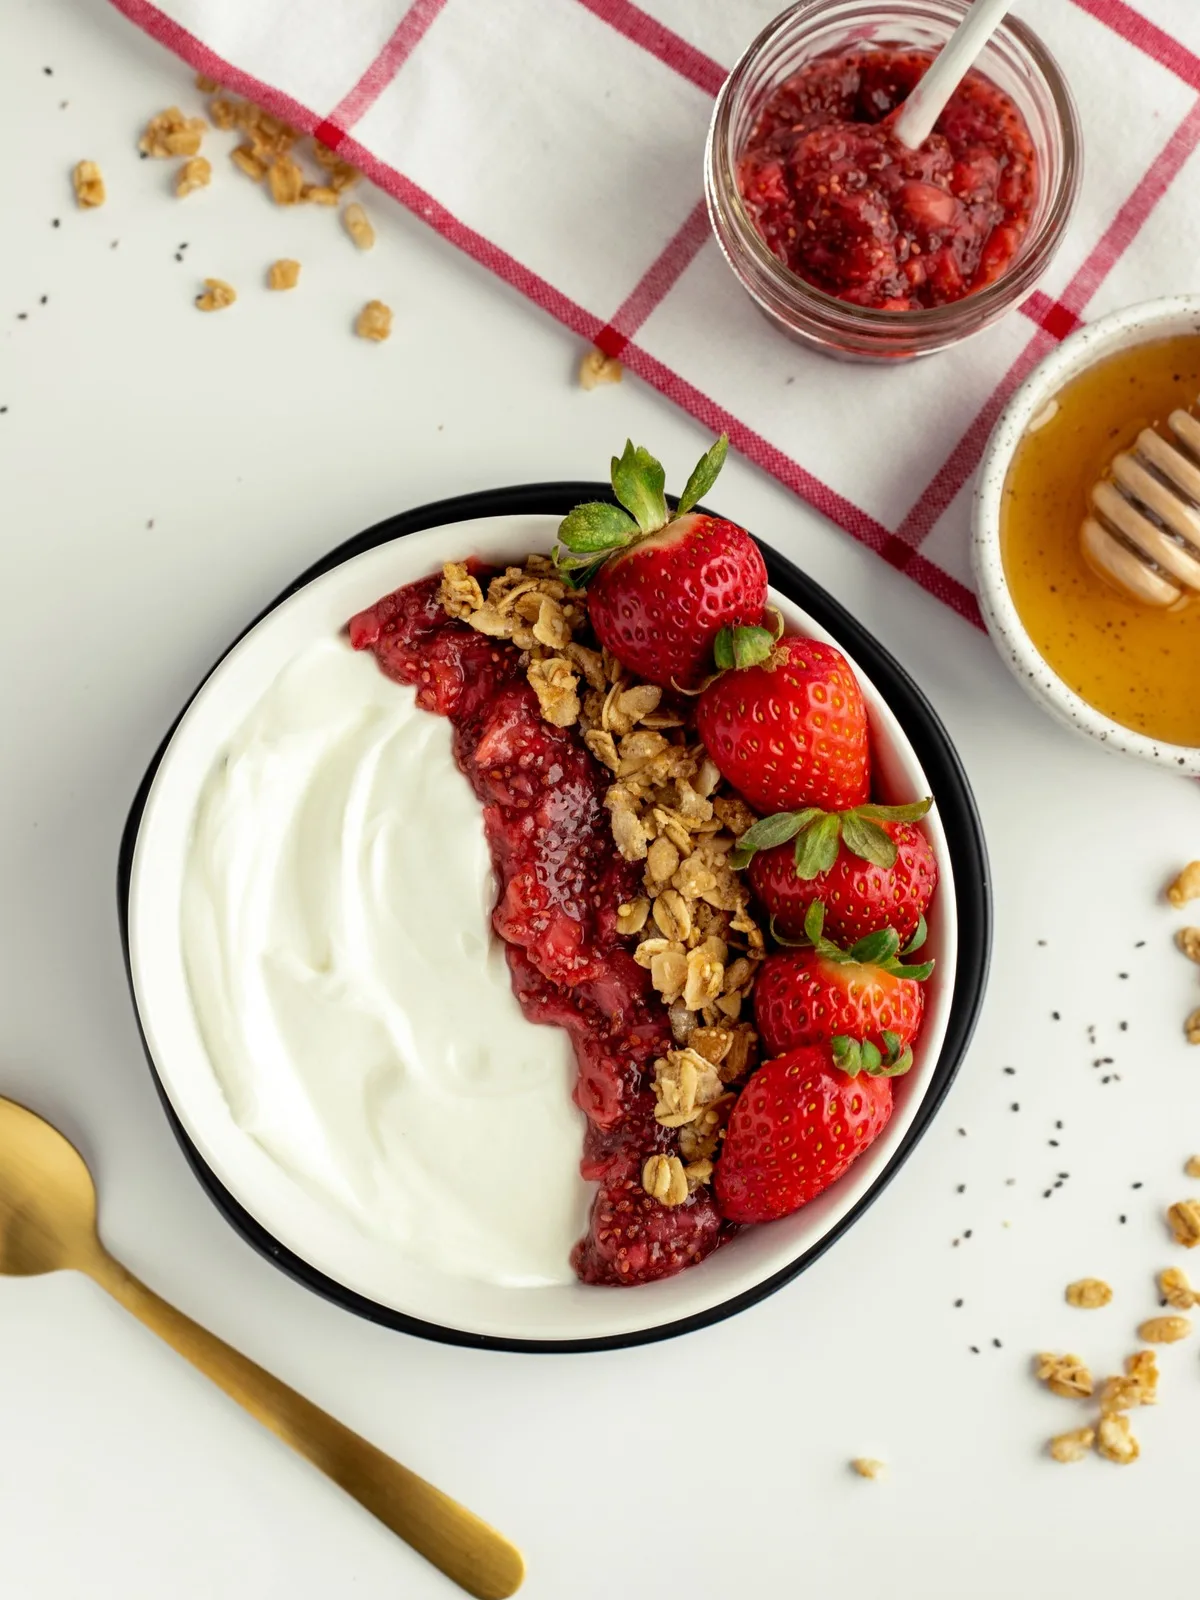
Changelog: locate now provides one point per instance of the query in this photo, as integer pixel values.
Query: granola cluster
(291, 169)
(670, 812)
(1112, 1437)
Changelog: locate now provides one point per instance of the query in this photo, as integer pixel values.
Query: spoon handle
(475, 1556)
(951, 65)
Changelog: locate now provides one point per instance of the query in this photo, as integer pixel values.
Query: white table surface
(162, 474)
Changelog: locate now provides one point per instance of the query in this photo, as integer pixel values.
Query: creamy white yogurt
(353, 1000)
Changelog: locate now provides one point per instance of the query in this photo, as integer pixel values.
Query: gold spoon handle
(475, 1556)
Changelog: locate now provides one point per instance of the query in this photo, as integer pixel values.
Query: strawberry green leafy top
(592, 532)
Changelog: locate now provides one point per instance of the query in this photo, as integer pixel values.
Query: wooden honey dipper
(1143, 535)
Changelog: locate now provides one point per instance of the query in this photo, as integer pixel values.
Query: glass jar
(1014, 59)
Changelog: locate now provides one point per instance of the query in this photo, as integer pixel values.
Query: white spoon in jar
(951, 65)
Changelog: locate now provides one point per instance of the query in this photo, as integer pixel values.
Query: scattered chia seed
(1124, 1027)
(49, 71)
(1122, 974)
(114, 244)
(1058, 1125)
(954, 1243)
(1107, 1078)
(961, 1189)
(1047, 1194)
(150, 524)
(957, 1304)
(1064, 1174)
(45, 300)
(1012, 1071)
(974, 1349)
(998, 1345)
(63, 104)
(22, 316)
(1053, 1143)
(1139, 944)
(1058, 1184)
(3, 409)
(1137, 1185)
(963, 1132)
(1122, 1218)
(178, 257)
(1056, 1016)
(1008, 1182)
(1016, 1106)
(966, 1233)
(1041, 941)
(55, 223)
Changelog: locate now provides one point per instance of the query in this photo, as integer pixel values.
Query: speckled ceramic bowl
(1120, 330)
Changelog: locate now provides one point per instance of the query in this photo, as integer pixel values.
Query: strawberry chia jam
(857, 214)
(560, 880)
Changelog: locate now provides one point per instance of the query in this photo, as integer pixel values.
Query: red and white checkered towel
(560, 143)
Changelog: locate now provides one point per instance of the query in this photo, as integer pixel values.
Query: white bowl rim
(660, 1316)
(1118, 330)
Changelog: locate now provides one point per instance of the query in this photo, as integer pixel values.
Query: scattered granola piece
(319, 194)
(460, 593)
(225, 113)
(1192, 1166)
(1191, 1027)
(684, 1085)
(663, 1177)
(375, 322)
(556, 686)
(1120, 1394)
(597, 368)
(602, 745)
(1188, 940)
(285, 181)
(1175, 1289)
(170, 133)
(631, 918)
(358, 226)
(194, 174)
(1115, 1441)
(245, 159)
(1066, 1375)
(1072, 1446)
(866, 1467)
(283, 274)
(1142, 1367)
(218, 294)
(89, 185)
(1088, 1293)
(1184, 1219)
(1186, 886)
(1165, 1330)
(205, 84)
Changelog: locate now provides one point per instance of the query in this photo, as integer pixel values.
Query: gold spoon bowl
(48, 1224)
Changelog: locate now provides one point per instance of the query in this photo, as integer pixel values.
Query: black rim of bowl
(966, 847)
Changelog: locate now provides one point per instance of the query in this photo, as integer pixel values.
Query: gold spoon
(48, 1223)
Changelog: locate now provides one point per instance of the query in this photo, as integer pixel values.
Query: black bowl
(965, 841)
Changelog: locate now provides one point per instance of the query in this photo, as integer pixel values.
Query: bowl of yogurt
(306, 893)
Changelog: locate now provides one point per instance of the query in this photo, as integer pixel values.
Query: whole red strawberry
(662, 586)
(797, 1126)
(820, 994)
(789, 730)
(860, 896)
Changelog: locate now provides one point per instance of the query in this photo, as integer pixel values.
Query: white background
(162, 475)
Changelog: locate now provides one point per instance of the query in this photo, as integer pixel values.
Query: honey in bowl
(1136, 664)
